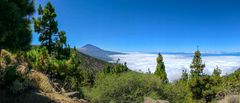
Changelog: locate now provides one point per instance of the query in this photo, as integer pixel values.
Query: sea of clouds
(175, 63)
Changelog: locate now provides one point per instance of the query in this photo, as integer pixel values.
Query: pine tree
(160, 69)
(107, 68)
(46, 26)
(197, 66)
(184, 75)
(216, 78)
(15, 31)
(62, 50)
(197, 77)
(216, 72)
(212, 85)
(149, 71)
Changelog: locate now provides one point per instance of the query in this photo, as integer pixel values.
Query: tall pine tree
(46, 26)
(197, 77)
(160, 69)
(197, 66)
(15, 31)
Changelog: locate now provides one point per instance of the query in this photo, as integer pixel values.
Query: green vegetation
(15, 24)
(55, 67)
(160, 70)
(126, 87)
(116, 68)
(196, 78)
(46, 26)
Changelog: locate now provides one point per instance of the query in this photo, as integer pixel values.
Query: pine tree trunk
(49, 45)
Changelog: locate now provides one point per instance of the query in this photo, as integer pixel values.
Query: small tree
(160, 69)
(62, 50)
(184, 75)
(217, 72)
(212, 85)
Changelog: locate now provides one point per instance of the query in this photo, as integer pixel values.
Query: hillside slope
(19, 82)
(91, 63)
(43, 91)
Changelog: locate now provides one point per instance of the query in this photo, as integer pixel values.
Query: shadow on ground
(27, 97)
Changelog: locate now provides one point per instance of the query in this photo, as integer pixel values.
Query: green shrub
(38, 58)
(178, 92)
(10, 75)
(125, 87)
(19, 85)
(231, 83)
(116, 68)
(68, 71)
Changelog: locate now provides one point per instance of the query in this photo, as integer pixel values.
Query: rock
(83, 101)
(73, 94)
(150, 100)
(63, 90)
(75, 98)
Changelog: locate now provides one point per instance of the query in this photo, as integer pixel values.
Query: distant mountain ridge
(97, 52)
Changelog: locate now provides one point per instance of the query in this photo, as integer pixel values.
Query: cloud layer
(175, 63)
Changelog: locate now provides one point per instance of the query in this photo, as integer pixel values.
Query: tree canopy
(15, 31)
(50, 37)
(160, 69)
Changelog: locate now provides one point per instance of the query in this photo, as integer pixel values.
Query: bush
(38, 58)
(12, 73)
(66, 71)
(125, 87)
(178, 92)
(231, 83)
(18, 86)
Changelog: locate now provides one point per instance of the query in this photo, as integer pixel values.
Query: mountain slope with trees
(54, 72)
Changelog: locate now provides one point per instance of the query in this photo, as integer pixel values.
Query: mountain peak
(97, 52)
(90, 47)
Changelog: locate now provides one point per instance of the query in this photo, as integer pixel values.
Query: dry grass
(40, 81)
(230, 99)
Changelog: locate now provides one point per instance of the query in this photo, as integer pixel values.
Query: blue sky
(150, 25)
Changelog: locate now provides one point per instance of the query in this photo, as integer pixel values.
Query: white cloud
(176, 62)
